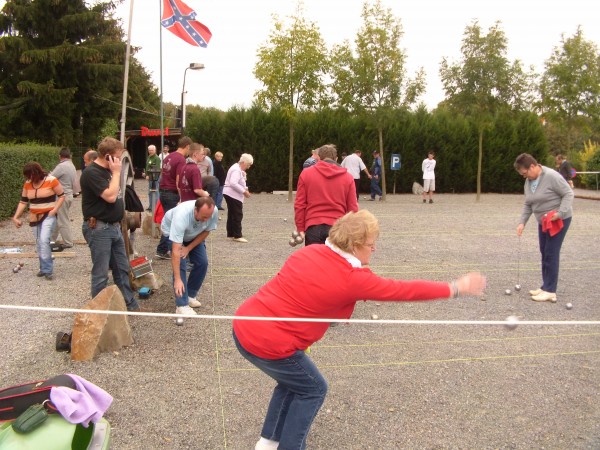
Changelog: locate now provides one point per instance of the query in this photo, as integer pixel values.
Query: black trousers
(316, 234)
(235, 214)
(357, 183)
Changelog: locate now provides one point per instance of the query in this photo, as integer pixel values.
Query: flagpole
(126, 76)
(162, 128)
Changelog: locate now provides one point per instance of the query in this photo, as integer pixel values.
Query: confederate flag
(180, 19)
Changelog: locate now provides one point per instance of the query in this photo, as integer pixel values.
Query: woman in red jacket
(339, 278)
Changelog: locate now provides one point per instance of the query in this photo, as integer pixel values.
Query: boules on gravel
(295, 234)
(374, 317)
(517, 287)
(511, 322)
(299, 239)
(21, 263)
(292, 242)
(179, 321)
(508, 292)
(569, 306)
(16, 269)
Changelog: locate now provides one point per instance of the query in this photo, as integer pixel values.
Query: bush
(14, 157)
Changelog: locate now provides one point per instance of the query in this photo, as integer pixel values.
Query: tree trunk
(382, 164)
(291, 163)
(479, 164)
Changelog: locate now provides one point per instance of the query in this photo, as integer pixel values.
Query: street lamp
(193, 66)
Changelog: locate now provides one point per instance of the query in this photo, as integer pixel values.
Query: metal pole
(183, 103)
(126, 76)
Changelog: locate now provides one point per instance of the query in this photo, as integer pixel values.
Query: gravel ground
(391, 386)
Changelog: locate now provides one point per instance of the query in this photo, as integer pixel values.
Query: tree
(62, 70)
(570, 86)
(374, 81)
(484, 82)
(291, 66)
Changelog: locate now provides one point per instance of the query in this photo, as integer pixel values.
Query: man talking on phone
(103, 210)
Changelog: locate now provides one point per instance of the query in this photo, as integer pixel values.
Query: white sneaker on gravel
(266, 444)
(187, 310)
(194, 303)
(240, 239)
(535, 292)
(544, 297)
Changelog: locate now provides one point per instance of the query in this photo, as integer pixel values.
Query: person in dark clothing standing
(220, 173)
(565, 168)
(103, 209)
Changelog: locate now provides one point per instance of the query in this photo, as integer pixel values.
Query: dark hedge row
(411, 134)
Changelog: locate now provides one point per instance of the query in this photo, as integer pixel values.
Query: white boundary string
(509, 320)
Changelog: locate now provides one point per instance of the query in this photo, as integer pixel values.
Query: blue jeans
(296, 400)
(193, 283)
(219, 201)
(168, 201)
(108, 251)
(42, 234)
(375, 189)
(550, 250)
(153, 187)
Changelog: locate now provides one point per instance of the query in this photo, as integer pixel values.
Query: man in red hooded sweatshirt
(325, 192)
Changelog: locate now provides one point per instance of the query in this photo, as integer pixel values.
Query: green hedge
(265, 135)
(454, 138)
(14, 157)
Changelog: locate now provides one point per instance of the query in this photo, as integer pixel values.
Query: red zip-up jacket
(316, 282)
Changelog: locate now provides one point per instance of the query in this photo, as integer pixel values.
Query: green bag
(30, 419)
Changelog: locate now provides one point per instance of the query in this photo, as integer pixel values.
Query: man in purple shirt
(190, 179)
(169, 194)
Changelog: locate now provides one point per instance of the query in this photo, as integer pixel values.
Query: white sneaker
(194, 303)
(240, 239)
(266, 444)
(535, 292)
(544, 297)
(185, 310)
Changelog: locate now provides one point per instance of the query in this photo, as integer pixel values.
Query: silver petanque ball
(15, 269)
(569, 306)
(299, 240)
(295, 234)
(512, 322)
(292, 242)
(517, 287)
(285, 220)
(374, 316)
(508, 292)
(179, 321)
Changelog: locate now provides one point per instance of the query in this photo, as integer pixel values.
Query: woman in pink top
(234, 193)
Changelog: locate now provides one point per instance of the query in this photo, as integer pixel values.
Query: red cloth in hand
(551, 226)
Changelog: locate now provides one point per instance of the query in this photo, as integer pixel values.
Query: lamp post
(193, 66)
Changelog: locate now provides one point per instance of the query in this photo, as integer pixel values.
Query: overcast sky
(432, 29)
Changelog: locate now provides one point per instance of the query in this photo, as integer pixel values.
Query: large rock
(97, 333)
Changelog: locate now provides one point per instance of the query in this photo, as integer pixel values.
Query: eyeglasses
(523, 173)
(372, 245)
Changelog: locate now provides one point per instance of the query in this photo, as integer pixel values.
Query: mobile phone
(107, 157)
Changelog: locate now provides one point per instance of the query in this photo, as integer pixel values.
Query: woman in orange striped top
(44, 195)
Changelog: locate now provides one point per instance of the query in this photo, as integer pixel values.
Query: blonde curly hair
(354, 229)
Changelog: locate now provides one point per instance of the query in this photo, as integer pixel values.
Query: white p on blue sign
(396, 163)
